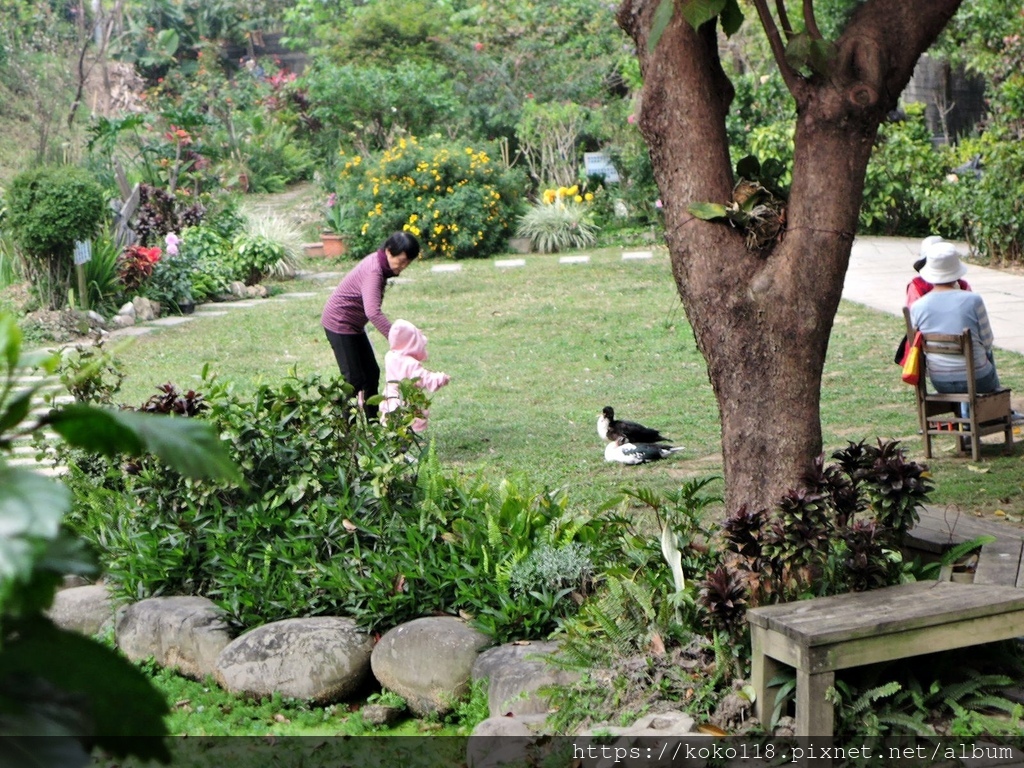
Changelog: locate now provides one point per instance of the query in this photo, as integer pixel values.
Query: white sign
(83, 252)
(599, 164)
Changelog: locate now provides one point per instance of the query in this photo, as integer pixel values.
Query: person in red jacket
(357, 301)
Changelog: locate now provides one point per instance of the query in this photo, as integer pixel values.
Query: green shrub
(267, 551)
(254, 256)
(48, 209)
(368, 106)
(986, 211)
(903, 165)
(210, 253)
(339, 516)
(455, 198)
(171, 281)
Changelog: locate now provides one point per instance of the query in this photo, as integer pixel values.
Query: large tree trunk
(762, 320)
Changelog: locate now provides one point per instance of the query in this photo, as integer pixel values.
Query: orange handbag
(912, 362)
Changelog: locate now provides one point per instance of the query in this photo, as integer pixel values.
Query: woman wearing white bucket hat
(918, 287)
(949, 309)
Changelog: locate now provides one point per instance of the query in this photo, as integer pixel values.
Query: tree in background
(762, 311)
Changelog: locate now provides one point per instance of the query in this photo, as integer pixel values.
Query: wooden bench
(819, 636)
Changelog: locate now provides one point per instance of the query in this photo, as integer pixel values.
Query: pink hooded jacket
(405, 361)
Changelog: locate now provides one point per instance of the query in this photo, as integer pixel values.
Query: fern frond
(905, 723)
(996, 702)
(957, 691)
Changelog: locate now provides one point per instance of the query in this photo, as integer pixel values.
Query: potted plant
(331, 238)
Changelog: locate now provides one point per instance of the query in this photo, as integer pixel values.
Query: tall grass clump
(560, 221)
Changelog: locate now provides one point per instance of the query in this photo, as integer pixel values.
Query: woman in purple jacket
(355, 302)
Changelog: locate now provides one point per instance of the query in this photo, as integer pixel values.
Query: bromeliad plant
(840, 532)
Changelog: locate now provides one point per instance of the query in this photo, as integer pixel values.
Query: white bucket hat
(942, 265)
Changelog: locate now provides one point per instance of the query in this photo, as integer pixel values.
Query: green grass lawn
(535, 352)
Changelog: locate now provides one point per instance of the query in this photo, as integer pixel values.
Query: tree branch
(809, 21)
(780, 8)
(789, 75)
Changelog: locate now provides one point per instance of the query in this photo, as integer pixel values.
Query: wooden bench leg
(762, 670)
(814, 715)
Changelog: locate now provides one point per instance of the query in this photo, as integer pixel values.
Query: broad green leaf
(732, 18)
(48, 361)
(708, 211)
(699, 12)
(31, 504)
(123, 705)
(662, 16)
(16, 411)
(186, 445)
(98, 430)
(798, 50)
(168, 42)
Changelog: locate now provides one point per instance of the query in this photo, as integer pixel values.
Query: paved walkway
(881, 267)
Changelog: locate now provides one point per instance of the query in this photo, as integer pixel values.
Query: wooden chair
(940, 414)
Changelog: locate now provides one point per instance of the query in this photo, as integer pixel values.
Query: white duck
(625, 452)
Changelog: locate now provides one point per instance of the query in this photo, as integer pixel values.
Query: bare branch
(780, 8)
(789, 75)
(809, 21)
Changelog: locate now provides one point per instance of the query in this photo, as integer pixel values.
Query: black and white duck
(611, 429)
(625, 452)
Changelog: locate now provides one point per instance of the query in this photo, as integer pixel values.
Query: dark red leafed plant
(135, 266)
(724, 594)
(171, 401)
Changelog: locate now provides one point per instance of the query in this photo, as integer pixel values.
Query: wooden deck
(1001, 562)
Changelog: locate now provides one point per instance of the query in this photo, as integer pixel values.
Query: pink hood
(406, 339)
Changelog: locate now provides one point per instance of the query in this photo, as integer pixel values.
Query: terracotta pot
(334, 245)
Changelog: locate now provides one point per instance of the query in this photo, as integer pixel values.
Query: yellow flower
(589, 196)
(578, 198)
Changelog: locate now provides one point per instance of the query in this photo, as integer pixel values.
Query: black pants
(357, 364)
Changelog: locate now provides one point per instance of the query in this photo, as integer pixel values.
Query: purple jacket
(356, 301)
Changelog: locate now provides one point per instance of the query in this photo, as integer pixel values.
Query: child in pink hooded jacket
(405, 361)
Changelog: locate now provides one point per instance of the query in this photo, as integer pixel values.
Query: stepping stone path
(50, 394)
(506, 263)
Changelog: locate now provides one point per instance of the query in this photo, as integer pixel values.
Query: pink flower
(631, 119)
(478, 46)
(332, 199)
(172, 241)
(657, 203)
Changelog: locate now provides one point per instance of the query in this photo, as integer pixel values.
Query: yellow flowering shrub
(454, 198)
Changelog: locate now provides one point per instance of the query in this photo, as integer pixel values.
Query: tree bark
(762, 320)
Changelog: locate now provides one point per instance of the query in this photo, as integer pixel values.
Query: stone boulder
(428, 662)
(321, 659)
(145, 309)
(88, 610)
(183, 632)
(515, 673)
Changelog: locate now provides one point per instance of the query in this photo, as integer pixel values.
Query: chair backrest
(959, 345)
